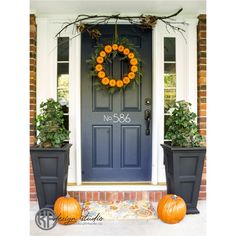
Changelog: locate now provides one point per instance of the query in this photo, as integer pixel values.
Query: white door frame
(186, 74)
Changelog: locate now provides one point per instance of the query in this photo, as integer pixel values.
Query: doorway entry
(115, 141)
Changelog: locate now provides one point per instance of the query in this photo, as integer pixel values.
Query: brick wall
(202, 61)
(32, 82)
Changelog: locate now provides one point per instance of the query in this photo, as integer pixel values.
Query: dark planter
(50, 167)
(183, 167)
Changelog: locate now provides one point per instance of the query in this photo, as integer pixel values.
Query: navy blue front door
(116, 145)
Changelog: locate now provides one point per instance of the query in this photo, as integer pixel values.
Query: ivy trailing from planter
(182, 129)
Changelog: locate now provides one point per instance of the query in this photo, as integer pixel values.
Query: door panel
(131, 146)
(115, 146)
(102, 146)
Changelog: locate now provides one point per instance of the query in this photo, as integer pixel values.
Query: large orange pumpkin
(67, 209)
(171, 209)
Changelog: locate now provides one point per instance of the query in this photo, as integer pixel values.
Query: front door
(116, 145)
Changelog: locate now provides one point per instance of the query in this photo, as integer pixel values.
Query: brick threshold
(83, 196)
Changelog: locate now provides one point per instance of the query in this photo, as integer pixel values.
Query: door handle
(147, 117)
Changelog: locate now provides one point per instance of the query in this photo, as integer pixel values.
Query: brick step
(83, 196)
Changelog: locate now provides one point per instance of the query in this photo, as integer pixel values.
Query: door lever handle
(147, 117)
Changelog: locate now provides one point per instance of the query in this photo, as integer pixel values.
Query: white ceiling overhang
(158, 7)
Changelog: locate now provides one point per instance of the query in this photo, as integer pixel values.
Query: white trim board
(186, 74)
(117, 188)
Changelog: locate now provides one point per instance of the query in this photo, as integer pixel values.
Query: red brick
(202, 78)
(202, 27)
(32, 48)
(202, 48)
(32, 61)
(32, 140)
(32, 33)
(102, 196)
(202, 61)
(203, 106)
(120, 196)
(95, 196)
(202, 18)
(158, 196)
(139, 196)
(203, 188)
(89, 196)
(133, 196)
(202, 34)
(202, 113)
(82, 197)
(202, 195)
(202, 119)
(108, 196)
(33, 197)
(152, 196)
(202, 67)
(202, 125)
(127, 196)
(203, 182)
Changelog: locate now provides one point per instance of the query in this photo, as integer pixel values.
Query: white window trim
(186, 76)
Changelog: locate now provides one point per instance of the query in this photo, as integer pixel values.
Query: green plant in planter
(181, 126)
(50, 125)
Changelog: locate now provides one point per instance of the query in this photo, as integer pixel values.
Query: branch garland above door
(89, 23)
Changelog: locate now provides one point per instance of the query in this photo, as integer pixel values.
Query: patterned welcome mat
(119, 210)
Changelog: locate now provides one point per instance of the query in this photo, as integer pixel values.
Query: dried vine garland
(80, 24)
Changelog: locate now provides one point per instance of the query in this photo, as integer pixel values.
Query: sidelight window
(169, 75)
(63, 76)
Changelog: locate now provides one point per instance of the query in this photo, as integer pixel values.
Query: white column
(46, 62)
(74, 112)
(158, 171)
(76, 88)
(192, 62)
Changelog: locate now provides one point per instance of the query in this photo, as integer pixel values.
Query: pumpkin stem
(174, 197)
(67, 195)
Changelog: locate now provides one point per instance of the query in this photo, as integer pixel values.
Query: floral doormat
(119, 210)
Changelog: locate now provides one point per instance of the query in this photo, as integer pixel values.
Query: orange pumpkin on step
(171, 209)
(67, 209)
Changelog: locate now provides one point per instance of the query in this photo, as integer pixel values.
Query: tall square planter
(183, 167)
(50, 167)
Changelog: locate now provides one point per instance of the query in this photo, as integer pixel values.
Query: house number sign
(117, 118)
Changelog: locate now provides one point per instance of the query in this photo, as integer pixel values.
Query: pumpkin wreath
(104, 54)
